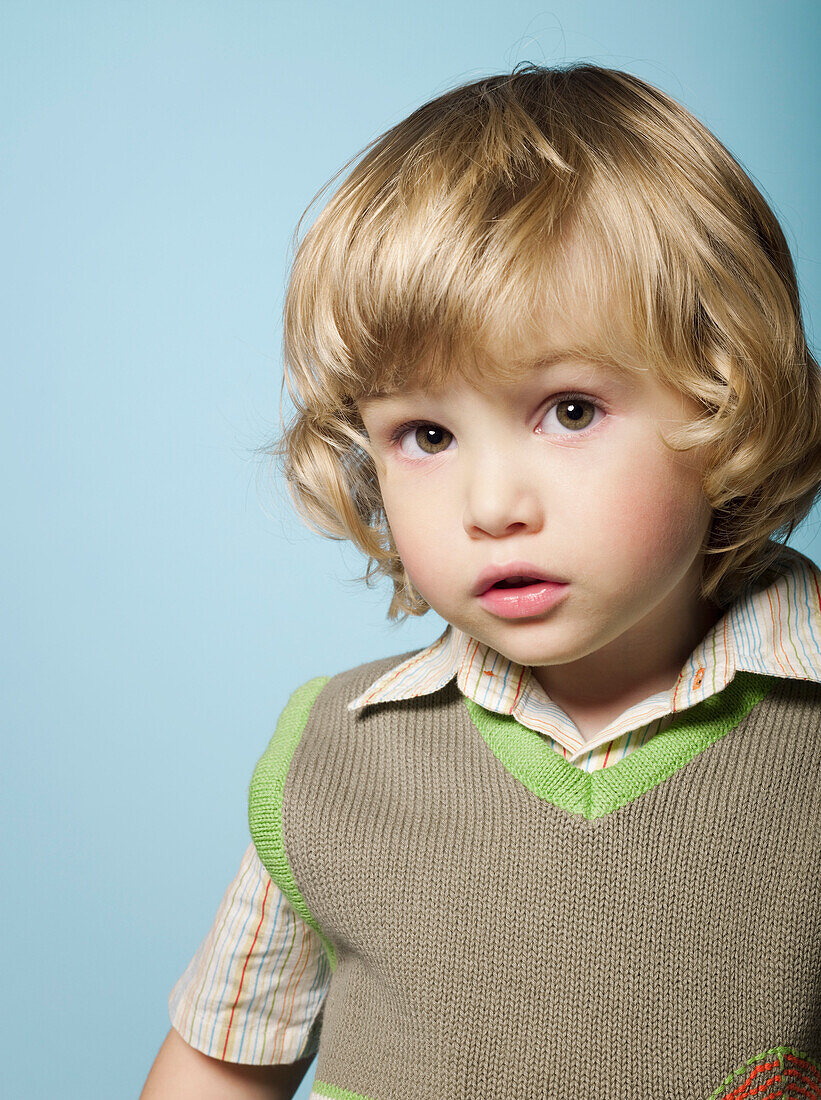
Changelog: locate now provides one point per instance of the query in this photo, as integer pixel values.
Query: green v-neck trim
(531, 758)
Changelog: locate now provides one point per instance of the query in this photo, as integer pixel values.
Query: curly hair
(566, 190)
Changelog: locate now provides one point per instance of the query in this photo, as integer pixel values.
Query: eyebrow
(544, 362)
(534, 366)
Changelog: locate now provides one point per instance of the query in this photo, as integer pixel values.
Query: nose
(501, 497)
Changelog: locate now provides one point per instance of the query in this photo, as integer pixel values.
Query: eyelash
(409, 425)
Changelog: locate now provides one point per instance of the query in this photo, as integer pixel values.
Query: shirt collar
(773, 630)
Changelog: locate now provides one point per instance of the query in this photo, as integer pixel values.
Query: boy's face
(582, 489)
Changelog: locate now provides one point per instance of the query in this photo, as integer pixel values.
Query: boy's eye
(429, 439)
(573, 412)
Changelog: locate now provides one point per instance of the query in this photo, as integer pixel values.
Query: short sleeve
(255, 989)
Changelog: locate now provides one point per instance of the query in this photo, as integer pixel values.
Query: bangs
(479, 302)
(570, 300)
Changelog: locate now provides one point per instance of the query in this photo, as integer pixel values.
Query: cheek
(411, 549)
(420, 539)
(660, 520)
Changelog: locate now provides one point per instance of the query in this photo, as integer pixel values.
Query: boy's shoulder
(360, 677)
(336, 690)
(341, 688)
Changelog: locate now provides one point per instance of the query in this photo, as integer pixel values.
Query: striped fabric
(255, 987)
(254, 990)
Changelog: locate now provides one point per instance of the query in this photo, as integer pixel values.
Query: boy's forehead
(499, 374)
(520, 353)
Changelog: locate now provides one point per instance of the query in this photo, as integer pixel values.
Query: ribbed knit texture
(686, 968)
(266, 795)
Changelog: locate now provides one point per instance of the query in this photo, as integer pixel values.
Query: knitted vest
(502, 925)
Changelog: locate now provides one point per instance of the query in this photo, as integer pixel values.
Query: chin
(529, 654)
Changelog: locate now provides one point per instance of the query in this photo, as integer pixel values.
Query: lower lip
(519, 603)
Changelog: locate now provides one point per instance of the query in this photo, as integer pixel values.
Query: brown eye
(429, 438)
(432, 439)
(573, 413)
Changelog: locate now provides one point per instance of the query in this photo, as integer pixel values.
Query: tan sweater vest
(502, 925)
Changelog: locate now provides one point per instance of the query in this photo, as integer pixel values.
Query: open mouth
(517, 582)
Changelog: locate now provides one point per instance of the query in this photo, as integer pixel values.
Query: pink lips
(522, 601)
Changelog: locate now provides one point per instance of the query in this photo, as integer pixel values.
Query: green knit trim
(322, 1088)
(802, 1076)
(531, 758)
(265, 800)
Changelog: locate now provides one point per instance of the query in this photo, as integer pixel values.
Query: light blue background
(161, 600)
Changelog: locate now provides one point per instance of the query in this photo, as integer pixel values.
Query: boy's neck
(594, 690)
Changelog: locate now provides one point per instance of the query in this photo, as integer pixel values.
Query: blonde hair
(527, 194)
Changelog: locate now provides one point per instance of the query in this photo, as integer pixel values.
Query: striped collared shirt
(254, 990)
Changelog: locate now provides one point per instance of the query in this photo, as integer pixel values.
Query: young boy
(546, 351)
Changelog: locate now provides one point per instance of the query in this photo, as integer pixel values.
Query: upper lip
(488, 577)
